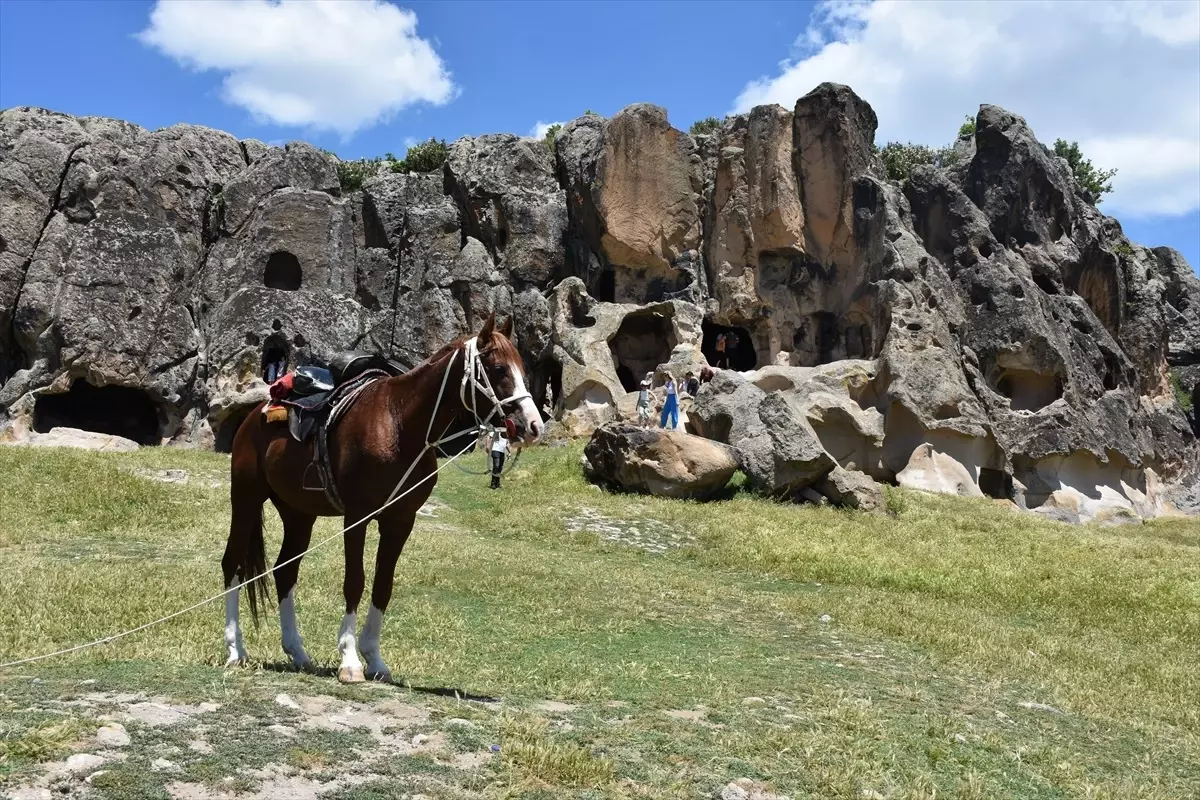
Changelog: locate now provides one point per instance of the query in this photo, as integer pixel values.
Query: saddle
(316, 398)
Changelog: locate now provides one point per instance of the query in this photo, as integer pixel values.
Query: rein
(476, 378)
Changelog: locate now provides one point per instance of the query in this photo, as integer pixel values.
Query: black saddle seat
(348, 365)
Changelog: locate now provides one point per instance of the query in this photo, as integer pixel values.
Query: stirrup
(320, 487)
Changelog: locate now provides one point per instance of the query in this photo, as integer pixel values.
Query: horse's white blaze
(233, 629)
(368, 641)
(347, 645)
(533, 417)
(289, 630)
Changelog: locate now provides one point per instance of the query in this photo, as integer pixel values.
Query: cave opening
(604, 287)
(282, 271)
(545, 384)
(644, 340)
(116, 410)
(996, 483)
(741, 357)
(1028, 390)
(274, 358)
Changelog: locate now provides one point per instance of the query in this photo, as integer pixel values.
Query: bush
(352, 174)
(703, 127)
(1094, 182)
(552, 135)
(428, 156)
(968, 127)
(901, 158)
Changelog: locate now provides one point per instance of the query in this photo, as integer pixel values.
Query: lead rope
(472, 357)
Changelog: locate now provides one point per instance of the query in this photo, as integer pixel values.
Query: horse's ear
(489, 327)
(506, 328)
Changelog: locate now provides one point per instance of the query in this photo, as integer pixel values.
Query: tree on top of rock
(428, 156)
(1094, 182)
(552, 135)
(703, 127)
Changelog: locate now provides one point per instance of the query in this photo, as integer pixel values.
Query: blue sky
(467, 68)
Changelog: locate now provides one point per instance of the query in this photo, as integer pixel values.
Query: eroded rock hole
(545, 384)
(116, 410)
(580, 318)
(823, 338)
(604, 287)
(996, 483)
(1028, 390)
(741, 356)
(644, 340)
(282, 271)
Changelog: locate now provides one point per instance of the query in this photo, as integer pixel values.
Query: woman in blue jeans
(670, 405)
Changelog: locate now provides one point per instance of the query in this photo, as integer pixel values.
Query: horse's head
(501, 363)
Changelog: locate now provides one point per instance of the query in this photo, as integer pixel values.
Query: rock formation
(982, 314)
(631, 458)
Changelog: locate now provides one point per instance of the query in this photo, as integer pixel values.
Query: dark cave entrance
(742, 356)
(274, 358)
(545, 384)
(604, 287)
(282, 271)
(115, 410)
(644, 340)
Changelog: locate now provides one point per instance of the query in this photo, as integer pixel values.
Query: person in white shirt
(643, 401)
(498, 445)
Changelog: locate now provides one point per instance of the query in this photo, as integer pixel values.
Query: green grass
(947, 615)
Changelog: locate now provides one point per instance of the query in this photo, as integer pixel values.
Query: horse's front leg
(351, 669)
(393, 533)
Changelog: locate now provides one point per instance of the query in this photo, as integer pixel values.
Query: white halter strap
(476, 380)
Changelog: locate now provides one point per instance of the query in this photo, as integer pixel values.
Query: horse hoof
(381, 676)
(303, 666)
(351, 675)
(235, 661)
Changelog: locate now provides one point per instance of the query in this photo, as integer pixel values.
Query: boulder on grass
(665, 463)
(850, 489)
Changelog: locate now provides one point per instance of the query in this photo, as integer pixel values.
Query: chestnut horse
(384, 443)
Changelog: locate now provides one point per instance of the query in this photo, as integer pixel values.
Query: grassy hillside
(635, 647)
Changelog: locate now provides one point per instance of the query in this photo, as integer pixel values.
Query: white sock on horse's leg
(233, 628)
(369, 644)
(351, 669)
(289, 632)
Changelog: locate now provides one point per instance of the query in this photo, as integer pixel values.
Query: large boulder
(663, 463)
(634, 197)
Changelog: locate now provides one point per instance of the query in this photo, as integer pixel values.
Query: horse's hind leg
(297, 533)
(245, 555)
(245, 536)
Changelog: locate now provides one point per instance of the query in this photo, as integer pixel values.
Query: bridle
(475, 379)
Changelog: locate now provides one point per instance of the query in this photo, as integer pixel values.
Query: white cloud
(327, 64)
(538, 131)
(1122, 78)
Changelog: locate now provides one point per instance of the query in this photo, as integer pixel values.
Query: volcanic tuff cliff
(985, 310)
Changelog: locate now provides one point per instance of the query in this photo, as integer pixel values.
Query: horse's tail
(246, 547)
(254, 564)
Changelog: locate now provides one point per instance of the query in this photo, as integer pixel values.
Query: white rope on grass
(238, 587)
(474, 377)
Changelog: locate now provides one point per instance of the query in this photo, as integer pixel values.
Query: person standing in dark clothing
(499, 449)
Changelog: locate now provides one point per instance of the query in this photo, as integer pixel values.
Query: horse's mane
(500, 344)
